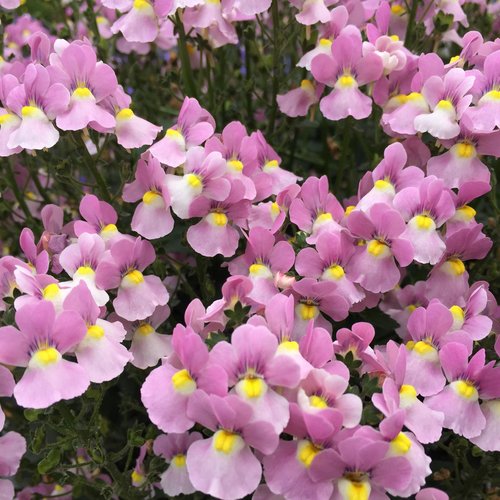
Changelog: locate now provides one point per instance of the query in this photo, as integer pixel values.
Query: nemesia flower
(38, 288)
(448, 279)
(217, 231)
(188, 371)
(262, 260)
(122, 268)
(388, 177)
(296, 102)
(37, 102)
(484, 116)
(224, 465)
(212, 20)
(468, 318)
(405, 444)
(235, 289)
(268, 176)
(88, 82)
(345, 70)
(140, 23)
(425, 423)
(461, 163)
(328, 263)
(194, 126)
(80, 261)
(138, 475)
(272, 214)
(464, 213)
(202, 176)
(328, 31)
(132, 131)
(7, 384)
(314, 297)
(238, 151)
(100, 352)
(311, 11)
(373, 264)
(468, 381)
(429, 329)
(38, 345)
(316, 210)
(448, 98)
(391, 51)
(12, 448)
(152, 218)
(38, 261)
(99, 217)
(148, 346)
(173, 447)
(357, 340)
(425, 208)
(253, 371)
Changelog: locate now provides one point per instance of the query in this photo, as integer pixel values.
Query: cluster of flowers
(417, 93)
(274, 392)
(65, 84)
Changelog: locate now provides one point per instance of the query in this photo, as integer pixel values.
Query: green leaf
(50, 461)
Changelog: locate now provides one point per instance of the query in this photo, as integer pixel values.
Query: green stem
(101, 183)
(187, 72)
(276, 65)
(411, 24)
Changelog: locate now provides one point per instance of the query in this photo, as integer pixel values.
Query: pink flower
(138, 295)
(152, 218)
(38, 345)
(194, 126)
(345, 70)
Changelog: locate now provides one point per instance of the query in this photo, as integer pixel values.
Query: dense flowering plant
(302, 307)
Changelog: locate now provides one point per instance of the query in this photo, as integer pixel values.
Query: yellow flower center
(31, 112)
(7, 117)
(424, 222)
(179, 460)
(493, 95)
(218, 218)
(226, 441)
(47, 356)
(318, 402)
(141, 4)
(454, 59)
(346, 81)
(252, 387)
(183, 382)
(271, 164)
(235, 165)
(383, 185)
(306, 453)
(85, 271)
(465, 150)
(335, 272)
(378, 249)
(50, 292)
(325, 42)
(349, 209)
(145, 329)
(408, 391)
(174, 134)
(307, 311)
(444, 104)
(397, 10)
(288, 345)
(465, 389)
(456, 266)
(134, 277)
(150, 197)
(324, 217)
(193, 180)
(124, 114)
(466, 212)
(109, 228)
(82, 93)
(394, 38)
(95, 332)
(307, 84)
(401, 444)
